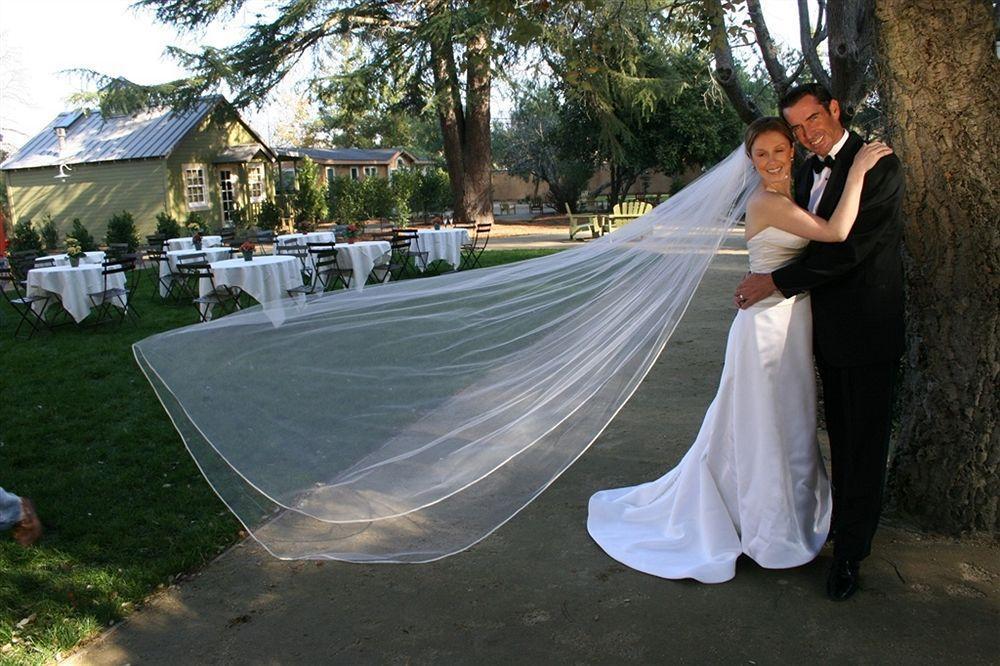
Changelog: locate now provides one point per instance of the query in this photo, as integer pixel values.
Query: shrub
(121, 229)
(269, 216)
(433, 192)
(49, 234)
(167, 226)
(195, 220)
(345, 197)
(82, 236)
(404, 186)
(310, 204)
(376, 198)
(24, 237)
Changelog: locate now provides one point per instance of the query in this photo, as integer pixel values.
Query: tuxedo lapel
(838, 176)
(803, 183)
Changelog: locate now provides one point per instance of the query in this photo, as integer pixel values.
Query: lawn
(126, 511)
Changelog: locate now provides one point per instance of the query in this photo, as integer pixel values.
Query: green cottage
(82, 165)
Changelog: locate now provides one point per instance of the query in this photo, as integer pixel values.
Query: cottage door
(227, 186)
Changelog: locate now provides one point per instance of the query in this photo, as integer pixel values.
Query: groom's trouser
(858, 408)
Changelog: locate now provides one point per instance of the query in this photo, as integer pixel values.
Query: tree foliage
(549, 139)
(82, 236)
(310, 200)
(25, 237)
(121, 229)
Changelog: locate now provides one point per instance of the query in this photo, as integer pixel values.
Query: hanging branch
(851, 24)
(725, 69)
(809, 42)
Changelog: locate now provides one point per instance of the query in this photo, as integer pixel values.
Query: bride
(753, 481)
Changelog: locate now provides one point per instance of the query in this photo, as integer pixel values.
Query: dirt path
(538, 591)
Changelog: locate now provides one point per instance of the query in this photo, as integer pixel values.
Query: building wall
(507, 187)
(201, 146)
(93, 193)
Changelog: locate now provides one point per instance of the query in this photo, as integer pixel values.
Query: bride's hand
(868, 156)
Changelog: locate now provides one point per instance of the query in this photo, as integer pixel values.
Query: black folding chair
(111, 295)
(264, 237)
(45, 262)
(473, 251)
(412, 251)
(222, 296)
(228, 234)
(327, 274)
(116, 250)
(301, 252)
(21, 262)
(24, 305)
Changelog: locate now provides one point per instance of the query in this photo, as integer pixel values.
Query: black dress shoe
(842, 581)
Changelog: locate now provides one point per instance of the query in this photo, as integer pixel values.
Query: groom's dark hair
(817, 90)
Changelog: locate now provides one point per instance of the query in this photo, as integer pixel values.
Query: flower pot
(74, 261)
(247, 255)
(437, 226)
(351, 240)
(197, 244)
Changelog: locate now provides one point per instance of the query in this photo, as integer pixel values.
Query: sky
(41, 39)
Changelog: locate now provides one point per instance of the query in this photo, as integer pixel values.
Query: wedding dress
(753, 481)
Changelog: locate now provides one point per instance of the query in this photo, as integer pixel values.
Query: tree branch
(768, 51)
(809, 44)
(725, 69)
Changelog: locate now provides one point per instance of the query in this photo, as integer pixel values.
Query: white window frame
(355, 175)
(331, 173)
(204, 203)
(371, 171)
(255, 180)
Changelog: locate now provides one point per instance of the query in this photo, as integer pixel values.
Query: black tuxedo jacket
(856, 286)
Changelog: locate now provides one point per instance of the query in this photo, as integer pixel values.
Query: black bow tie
(819, 163)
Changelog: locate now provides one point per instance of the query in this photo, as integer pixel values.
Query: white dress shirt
(820, 179)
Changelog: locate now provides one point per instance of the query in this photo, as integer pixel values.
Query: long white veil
(406, 422)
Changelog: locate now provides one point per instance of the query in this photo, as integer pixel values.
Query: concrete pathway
(538, 591)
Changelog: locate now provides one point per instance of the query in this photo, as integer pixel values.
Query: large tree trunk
(477, 151)
(466, 128)
(939, 74)
(451, 118)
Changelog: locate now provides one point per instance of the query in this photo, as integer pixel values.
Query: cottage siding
(93, 193)
(201, 146)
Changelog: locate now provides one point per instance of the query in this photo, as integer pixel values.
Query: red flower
(247, 246)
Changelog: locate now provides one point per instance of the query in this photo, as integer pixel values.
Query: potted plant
(247, 249)
(354, 229)
(73, 251)
(196, 239)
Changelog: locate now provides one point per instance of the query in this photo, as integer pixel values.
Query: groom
(857, 303)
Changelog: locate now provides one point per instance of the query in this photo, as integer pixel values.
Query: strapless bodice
(773, 248)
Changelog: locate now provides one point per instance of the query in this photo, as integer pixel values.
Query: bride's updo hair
(764, 125)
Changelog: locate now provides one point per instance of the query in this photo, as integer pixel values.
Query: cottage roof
(90, 137)
(348, 155)
(242, 153)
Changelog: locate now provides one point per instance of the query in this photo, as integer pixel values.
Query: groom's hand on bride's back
(754, 288)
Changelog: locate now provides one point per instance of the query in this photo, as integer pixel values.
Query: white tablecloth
(441, 244)
(170, 265)
(187, 244)
(94, 257)
(311, 237)
(266, 279)
(71, 286)
(361, 257)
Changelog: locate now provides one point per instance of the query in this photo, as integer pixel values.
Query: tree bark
(477, 151)
(725, 68)
(451, 119)
(466, 128)
(850, 25)
(938, 73)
